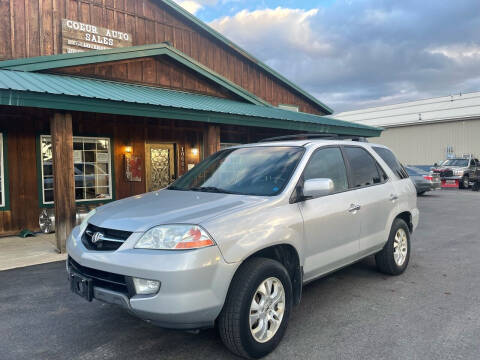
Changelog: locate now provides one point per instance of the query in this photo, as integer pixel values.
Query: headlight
(175, 237)
(458, 172)
(84, 223)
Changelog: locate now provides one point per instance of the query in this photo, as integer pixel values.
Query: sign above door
(80, 37)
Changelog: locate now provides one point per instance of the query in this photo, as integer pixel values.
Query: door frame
(173, 147)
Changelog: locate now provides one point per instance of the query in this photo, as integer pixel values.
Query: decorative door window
(159, 165)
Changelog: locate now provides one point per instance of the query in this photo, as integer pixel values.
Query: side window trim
(399, 171)
(294, 196)
(349, 169)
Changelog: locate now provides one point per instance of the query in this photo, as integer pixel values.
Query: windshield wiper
(212, 189)
(176, 188)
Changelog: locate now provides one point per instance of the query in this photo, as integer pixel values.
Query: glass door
(160, 165)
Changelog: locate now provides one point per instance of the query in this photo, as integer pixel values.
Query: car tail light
(428, 177)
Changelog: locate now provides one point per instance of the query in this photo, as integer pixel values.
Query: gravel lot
(430, 312)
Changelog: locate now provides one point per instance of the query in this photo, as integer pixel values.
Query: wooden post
(63, 177)
(212, 139)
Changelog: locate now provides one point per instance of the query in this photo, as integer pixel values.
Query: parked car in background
(232, 242)
(464, 170)
(424, 181)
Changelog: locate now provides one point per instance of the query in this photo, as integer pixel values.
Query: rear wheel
(394, 257)
(254, 318)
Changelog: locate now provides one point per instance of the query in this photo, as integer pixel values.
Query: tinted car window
(456, 162)
(259, 170)
(363, 167)
(413, 171)
(391, 161)
(328, 164)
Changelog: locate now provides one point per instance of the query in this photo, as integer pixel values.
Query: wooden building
(104, 99)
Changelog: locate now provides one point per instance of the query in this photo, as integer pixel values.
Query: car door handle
(393, 197)
(354, 208)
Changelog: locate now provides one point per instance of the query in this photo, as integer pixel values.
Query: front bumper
(194, 283)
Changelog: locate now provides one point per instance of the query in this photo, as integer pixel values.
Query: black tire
(385, 259)
(476, 186)
(233, 322)
(421, 193)
(465, 182)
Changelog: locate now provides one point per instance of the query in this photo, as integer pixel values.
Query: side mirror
(317, 187)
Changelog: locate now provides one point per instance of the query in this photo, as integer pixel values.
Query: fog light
(146, 287)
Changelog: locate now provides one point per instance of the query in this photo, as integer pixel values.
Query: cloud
(355, 54)
(193, 6)
(290, 28)
(458, 52)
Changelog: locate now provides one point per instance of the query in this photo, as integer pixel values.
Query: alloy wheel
(267, 310)
(400, 247)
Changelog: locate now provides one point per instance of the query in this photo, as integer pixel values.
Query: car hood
(452, 167)
(142, 212)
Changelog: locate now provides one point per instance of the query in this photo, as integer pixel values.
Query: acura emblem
(96, 237)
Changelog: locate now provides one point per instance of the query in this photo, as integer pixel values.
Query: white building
(426, 131)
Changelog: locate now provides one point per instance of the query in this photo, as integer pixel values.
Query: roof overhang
(71, 103)
(70, 93)
(44, 63)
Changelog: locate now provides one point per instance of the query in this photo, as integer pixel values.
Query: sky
(354, 54)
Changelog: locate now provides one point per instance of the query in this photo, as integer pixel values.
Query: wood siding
(33, 28)
(158, 71)
(23, 126)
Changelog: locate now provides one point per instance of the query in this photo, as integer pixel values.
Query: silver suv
(232, 242)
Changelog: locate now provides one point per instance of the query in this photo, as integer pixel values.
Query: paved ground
(19, 252)
(430, 312)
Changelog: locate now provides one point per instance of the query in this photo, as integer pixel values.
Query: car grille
(444, 173)
(103, 279)
(110, 240)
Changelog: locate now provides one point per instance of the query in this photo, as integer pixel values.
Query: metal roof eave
(42, 63)
(94, 105)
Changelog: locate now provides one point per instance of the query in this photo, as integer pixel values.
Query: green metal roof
(177, 8)
(18, 88)
(42, 63)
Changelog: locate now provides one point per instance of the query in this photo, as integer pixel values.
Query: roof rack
(312, 136)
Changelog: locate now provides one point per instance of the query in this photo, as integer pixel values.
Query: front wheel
(465, 182)
(395, 255)
(256, 311)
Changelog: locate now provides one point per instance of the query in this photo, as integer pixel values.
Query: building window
(2, 174)
(289, 107)
(92, 166)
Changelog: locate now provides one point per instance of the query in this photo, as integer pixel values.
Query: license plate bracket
(81, 286)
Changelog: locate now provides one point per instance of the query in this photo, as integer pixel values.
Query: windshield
(413, 171)
(456, 162)
(260, 170)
